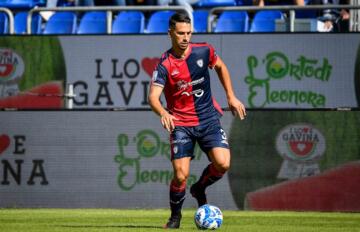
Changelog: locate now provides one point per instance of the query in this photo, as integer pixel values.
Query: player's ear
(169, 33)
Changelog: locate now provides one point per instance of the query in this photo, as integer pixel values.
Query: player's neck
(180, 54)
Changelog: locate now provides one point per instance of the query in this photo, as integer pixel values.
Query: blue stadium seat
(232, 21)
(264, 21)
(200, 20)
(93, 22)
(21, 4)
(214, 3)
(61, 23)
(244, 2)
(159, 22)
(4, 23)
(129, 22)
(20, 23)
(65, 3)
(304, 14)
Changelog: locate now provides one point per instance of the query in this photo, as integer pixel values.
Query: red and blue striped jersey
(186, 83)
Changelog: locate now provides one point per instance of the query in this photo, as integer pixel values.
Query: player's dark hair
(178, 18)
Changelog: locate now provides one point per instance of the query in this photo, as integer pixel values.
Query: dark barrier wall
(281, 160)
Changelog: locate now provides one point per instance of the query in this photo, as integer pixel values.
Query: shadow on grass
(112, 226)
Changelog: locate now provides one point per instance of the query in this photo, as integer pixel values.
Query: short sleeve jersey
(186, 84)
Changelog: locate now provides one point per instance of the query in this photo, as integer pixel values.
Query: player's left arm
(235, 105)
(166, 119)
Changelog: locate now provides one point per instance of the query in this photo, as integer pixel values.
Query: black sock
(209, 176)
(177, 197)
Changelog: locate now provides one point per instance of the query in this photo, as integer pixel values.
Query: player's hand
(237, 108)
(167, 120)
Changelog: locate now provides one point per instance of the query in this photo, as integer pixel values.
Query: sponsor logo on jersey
(181, 141)
(183, 85)
(197, 93)
(175, 72)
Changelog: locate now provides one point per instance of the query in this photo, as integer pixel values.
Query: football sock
(177, 197)
(209, 176)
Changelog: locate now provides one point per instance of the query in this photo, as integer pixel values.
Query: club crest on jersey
(200, 63)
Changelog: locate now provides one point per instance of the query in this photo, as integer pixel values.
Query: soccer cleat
(174, 222)
(199, 195)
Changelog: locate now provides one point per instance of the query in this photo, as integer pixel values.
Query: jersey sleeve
(159, 76)
(212, 56)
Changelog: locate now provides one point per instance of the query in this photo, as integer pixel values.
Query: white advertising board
(268, 70)
(92, 159)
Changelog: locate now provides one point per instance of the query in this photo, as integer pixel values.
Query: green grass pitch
(152, 220)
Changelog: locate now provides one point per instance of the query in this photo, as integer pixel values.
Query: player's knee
(222, 167)
(181, 178)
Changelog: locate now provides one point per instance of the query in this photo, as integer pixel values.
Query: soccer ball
(208, 217)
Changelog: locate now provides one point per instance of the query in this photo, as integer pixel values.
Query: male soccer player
(192, 115)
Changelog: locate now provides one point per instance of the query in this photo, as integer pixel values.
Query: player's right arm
(166, 119)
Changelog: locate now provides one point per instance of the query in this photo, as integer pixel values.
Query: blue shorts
(208, 136)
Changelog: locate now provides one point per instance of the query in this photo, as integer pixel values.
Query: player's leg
(220, 159)
(182, 148)
(220, 163)
(177, 190)
(214, 143)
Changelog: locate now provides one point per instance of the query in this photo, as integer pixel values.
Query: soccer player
(192, 115)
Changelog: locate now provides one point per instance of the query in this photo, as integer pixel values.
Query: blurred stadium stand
(214, 3)
(264, 21)
(93, 23)
(21, 4)
(129, 22)
(159, 22)
(4, 24)
(211, 16)
(20, 23)
(232, 21)
(200, 20)
(61, 23)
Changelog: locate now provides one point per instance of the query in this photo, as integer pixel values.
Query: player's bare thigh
(220, 157)
(181, 169)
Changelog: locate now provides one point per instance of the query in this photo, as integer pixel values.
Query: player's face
(180, 35)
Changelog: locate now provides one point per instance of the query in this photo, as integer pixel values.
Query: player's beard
(183, 45)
